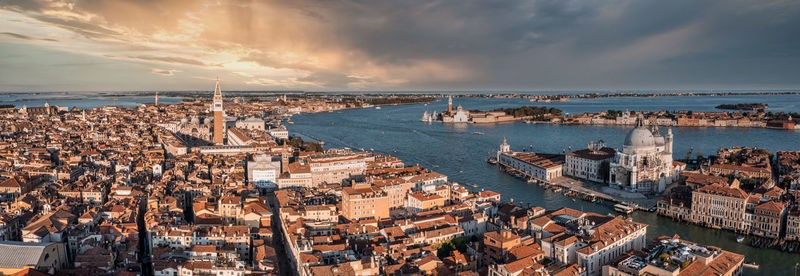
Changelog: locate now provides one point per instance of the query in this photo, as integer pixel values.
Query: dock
(578, 190)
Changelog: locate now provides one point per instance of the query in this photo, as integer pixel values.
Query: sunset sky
(100, 45)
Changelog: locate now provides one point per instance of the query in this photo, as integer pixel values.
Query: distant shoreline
(460, 94)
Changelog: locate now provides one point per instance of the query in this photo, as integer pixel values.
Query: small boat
(622, 208)
(377, 107)
(739, 239)
(752, 265)
(478, 133)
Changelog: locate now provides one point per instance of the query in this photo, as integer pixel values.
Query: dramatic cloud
(414, 45)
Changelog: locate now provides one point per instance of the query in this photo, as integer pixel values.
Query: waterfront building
(459, 116)
(720, 206)
(539, 166)
(605, 241)
(279, 133)
(645, 163)
(489, 117)
(669, 256)
(625, 118)
(219, 121)
(767, 219)
(592, 163)
(589, 240)
(793, 223)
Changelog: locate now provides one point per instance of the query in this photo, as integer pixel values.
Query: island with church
(500, 115)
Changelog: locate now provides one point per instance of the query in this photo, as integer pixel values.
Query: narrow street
(144, 242)
(277, 238)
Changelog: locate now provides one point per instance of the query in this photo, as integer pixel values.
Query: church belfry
(219, 124)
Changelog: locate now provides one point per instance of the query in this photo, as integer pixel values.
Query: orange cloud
(261, 43)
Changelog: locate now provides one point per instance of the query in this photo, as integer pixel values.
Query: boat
(740, 239)
(752, 265)
(622, 208)
(478, 133)
(377, 107)
(425, 117)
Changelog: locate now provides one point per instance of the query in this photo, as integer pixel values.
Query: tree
(446, 248)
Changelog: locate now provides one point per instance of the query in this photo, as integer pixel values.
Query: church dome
(660, 140)
(657, 137)
(640, 137)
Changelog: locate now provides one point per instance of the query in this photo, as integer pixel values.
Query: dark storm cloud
(578, 43)
(463, 44)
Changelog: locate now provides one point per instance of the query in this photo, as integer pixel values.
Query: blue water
(456, 152)
(82, 100)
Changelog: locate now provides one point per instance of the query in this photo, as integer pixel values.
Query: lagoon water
(455, 151)
(83, 99)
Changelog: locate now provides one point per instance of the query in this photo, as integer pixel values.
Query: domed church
(645, 162)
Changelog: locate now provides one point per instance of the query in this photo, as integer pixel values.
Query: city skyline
(407, 46)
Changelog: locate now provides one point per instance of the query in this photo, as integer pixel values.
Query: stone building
(645, 163)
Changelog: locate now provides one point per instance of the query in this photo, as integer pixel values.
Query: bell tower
(450, 104)
(219, 125)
